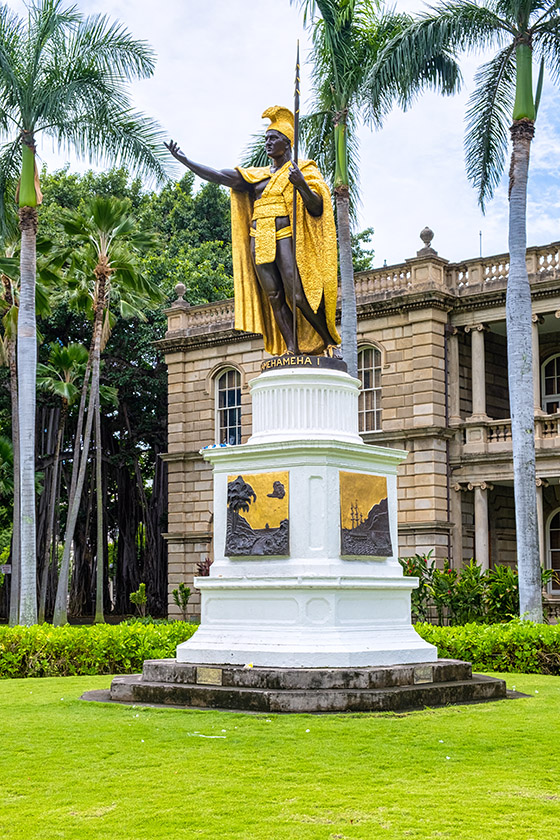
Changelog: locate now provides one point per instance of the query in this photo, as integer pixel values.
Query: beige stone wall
(404, 310)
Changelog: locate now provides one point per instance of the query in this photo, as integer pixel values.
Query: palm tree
(63, 75)
(65, 365)
(103, 269)
(348, 36)
(521, 31)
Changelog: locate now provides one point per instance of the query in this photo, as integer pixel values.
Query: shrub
(421, 566)
(47, 651)
(469, 594)
(514, 646)
(181, 597)
(140, 599)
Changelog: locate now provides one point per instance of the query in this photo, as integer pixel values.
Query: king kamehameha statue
(268, 273)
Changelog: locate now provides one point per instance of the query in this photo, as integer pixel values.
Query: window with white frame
(369, 374)
(554, 551)
(551, 385)
(228, 407)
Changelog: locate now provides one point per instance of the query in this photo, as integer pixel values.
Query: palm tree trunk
(99, 613)
(15, 554)
(51, 514)
(349, 325)
(520, 374)
(61, 603)
(27, 367)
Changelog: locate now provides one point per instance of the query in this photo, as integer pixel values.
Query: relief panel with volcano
(364, 515)
(257, 515)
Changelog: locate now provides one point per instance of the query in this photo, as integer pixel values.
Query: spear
(294, 207)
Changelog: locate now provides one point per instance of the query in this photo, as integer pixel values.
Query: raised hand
(296, 177)
(175, 150)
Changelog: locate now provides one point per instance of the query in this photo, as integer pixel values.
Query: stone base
(306, 622)
(272, 690)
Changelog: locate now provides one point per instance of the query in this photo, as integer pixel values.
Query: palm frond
(546, 45)
(12, 37)
(423, 53)
(10, 156)
(110, 47)
(254, 152)
(437, 70)
(488, 117)
(122, 137)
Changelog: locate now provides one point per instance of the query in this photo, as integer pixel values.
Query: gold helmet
(282, 120)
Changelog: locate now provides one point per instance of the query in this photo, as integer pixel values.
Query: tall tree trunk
(61, 603)
(48, 552)
(80, 424)
(520, 375)
(349, 325)
(27, 368)
(15, 552)
(99, 615)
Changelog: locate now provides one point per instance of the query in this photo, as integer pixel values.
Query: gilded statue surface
(266, 279)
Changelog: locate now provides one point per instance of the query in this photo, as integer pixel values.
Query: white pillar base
(314, 607)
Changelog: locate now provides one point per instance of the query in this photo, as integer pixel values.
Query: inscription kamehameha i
(303, 361)
(242, 538)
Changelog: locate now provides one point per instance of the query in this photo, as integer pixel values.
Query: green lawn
(89, 771)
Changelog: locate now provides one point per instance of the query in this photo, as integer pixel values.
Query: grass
(89, 771)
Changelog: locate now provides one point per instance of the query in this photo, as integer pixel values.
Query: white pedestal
(314, 608)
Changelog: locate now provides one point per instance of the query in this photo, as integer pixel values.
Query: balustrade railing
(543, 263)
(499, 431)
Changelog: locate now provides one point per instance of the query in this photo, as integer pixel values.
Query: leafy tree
(103, 269)
(348, 36)
(362, 256)
(521, 32)
(64, 75)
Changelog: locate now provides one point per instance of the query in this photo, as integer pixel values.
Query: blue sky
(222, 62)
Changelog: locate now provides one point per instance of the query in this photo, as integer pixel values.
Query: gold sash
(266, 210)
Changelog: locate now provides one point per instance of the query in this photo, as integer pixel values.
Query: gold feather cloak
(315, 254)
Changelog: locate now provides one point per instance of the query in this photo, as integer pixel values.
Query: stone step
(136, 689)
(281, 679)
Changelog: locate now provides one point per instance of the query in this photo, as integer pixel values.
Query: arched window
(228, 407)
(554, 551)
(369, 405)
(551, 385)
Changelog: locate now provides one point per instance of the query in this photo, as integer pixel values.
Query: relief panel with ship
(364, 515)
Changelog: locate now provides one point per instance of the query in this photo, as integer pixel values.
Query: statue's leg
(271, 283)
(285, 264)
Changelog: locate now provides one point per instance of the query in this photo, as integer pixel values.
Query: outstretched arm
(312, 201)
(225, 177)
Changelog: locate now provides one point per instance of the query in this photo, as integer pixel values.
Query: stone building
(433, 365)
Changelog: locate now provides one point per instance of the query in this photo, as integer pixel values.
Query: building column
(453, 376)
(537, 319)
(456, 515)
(478, 372)
(541, 484)
(481, 540)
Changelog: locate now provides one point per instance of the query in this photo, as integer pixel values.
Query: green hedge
(47, 651)
(516, 646)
